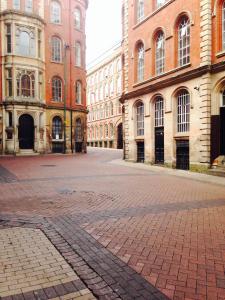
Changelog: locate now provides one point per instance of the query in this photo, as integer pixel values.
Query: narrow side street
(90, 226)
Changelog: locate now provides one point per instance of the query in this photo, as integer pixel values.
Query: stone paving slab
(32, 268)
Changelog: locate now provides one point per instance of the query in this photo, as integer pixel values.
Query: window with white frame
(101, 132)
(140, 62)
(8, 38)
(223, 25)
(25, 42)
(56, 89)
(55, 12)
(159, 112)
(57, 128)
(160, 3)
(78, 61)
(16, 4)
(183, 111)
(29, 6)
(184, 41)
(77, 18)
(140, 10)
(160, 53)
(111, 130)
(56, 49)
(78, 92)
(140, 118)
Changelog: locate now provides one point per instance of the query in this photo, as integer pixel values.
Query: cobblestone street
(89, 226)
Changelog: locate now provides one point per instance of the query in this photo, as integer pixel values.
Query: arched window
(55, 12)
(111, 108)
(56, 89)
(184, 41)
(56, 49)
(160, 3)
(111, 130)
(77, 18)
(106, 130)
(140, 62)
(79, 131)
(78, 92)
(160, 53)
(26, 84)
(78, 54)
(159, 112)
(25, 43)
(183, 111)
(57, 128)
(140, 118)
(223, 25)
(140, 10)
(101, 131)
(29, 6)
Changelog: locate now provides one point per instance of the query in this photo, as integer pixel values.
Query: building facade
(104, 86)
(174, 82)
(43, 78)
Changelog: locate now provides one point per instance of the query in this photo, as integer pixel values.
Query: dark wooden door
(183, 162)
(120, 136)
(26, 132)
(222, 131)
(140, 152)
(159, 145)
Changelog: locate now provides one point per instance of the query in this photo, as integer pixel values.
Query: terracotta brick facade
(191, 55)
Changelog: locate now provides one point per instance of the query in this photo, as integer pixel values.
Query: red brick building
(43, 74)
(174, 82)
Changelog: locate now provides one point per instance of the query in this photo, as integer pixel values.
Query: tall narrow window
(78, 54)
(16, 4)
(56, 49)
(55, 12)
(140, 118)
(79, 131)
(160, 54)
(223, 25)
(78, 92)
(26, 84)
(57, 128)
(140, 62)
(183, 111)
(29, 6)
(56, 89)
(106, 130)
(8, 39)
(77, 18)
(159, 112)
(223, 98)
(9, 83)
(140, 10)
(25, 45)
(184, 41)
(39, 43)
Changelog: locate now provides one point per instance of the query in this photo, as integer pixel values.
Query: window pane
(140, 119)
(55, 12)
(184, 42)
(56, 49)
(160, 54)
(183, 112)
(159, 112)
(140, 62)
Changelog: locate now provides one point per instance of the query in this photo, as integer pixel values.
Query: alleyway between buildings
(90, 226)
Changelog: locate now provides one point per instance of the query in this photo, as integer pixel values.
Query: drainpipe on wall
(66, 47)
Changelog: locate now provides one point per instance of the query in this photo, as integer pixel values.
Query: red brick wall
(67, 32)
(165, 19)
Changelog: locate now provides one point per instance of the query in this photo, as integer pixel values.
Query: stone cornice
(23, 103)
(23, 14)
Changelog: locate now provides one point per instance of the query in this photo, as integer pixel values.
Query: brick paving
(128, 233)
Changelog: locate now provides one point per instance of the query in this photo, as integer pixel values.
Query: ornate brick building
(104, 85)
(43, 78)
(174, 82)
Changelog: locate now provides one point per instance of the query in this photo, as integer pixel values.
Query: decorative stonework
(206, 32)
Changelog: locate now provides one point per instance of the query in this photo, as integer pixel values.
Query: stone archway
(26, 132)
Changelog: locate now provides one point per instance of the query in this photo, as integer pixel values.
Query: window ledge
(161, 75)
(220, 54)
(57, 62)
(153, 13)
(180, 135)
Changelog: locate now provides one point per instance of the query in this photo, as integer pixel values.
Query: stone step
(219, 171)
(27, 152)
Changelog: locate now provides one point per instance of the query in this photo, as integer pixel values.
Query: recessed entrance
(159, 145)
(222, 131)
(120, 136)
(182, 155)
(140, 152)
(26, 132)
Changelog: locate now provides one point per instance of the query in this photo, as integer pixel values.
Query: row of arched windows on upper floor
(183, 49)
(104, 111)
(57, 90)
(182, 113)
(140, 8)
(57, 53)
(55, 11)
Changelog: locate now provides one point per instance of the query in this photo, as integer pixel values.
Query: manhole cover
(66, 191)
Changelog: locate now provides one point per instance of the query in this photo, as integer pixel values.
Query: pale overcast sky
(103, 26)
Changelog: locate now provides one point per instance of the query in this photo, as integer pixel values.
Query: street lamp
(66, 47)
